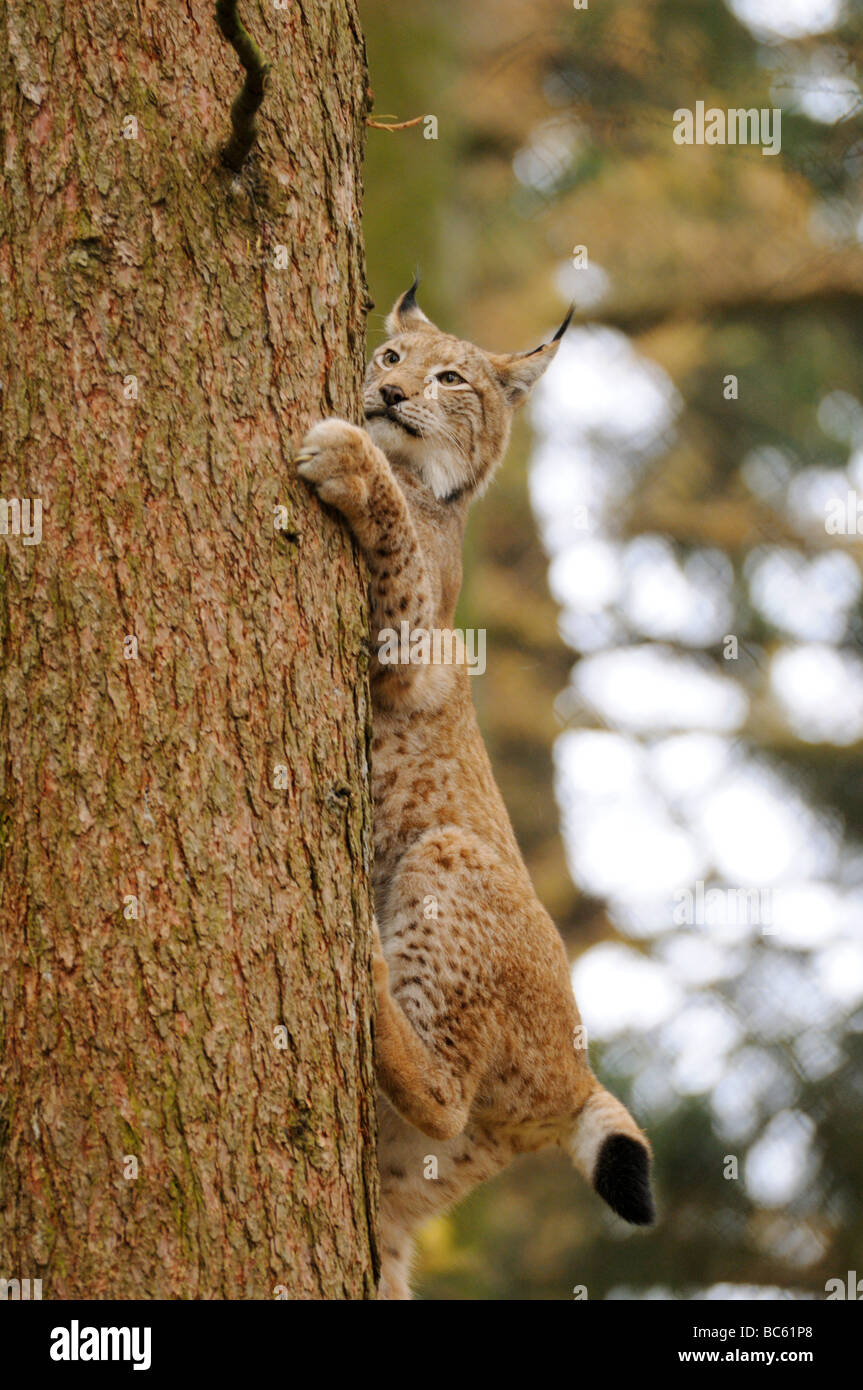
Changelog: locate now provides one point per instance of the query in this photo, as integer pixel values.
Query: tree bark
(186, 1071)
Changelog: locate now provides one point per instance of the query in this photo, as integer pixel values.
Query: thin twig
(243, 111)
(393, 125)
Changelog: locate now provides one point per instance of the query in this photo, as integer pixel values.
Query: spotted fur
(479, 1045)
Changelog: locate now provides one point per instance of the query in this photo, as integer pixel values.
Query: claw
(304, 455)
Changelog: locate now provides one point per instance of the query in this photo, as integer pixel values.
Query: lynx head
(443, 407)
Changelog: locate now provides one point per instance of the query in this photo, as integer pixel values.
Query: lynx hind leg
(435, 1006)
(396, 1256)
(421, 1081)
(421, 1178)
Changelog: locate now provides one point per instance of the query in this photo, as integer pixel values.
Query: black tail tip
(622, 1179)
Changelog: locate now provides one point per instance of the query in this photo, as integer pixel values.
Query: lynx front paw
(336, 457)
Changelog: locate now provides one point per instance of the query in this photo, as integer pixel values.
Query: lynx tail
(607, 1146)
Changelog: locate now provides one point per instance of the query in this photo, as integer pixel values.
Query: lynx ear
(518, 372)
(406, 313)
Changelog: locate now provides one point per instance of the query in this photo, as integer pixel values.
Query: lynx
(479, 1047)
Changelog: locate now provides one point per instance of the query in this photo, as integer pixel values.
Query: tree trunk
(186, 1072)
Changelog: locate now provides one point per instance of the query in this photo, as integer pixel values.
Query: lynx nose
(392, 395)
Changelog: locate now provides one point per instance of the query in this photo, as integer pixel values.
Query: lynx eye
(390, 358)
(450, 378)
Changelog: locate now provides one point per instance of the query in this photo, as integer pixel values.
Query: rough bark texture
(155, 777)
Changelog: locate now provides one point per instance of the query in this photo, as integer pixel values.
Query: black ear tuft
(409, 298)
(622, 1179)
(406, 313)
(557, 337)
(565, 325)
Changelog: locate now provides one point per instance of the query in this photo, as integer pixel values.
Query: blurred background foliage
(670, 489)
